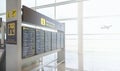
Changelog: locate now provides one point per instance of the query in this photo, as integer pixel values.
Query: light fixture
(38, 27)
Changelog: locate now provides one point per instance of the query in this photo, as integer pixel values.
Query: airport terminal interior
(59, 35)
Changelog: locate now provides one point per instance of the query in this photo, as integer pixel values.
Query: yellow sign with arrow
(11, 14)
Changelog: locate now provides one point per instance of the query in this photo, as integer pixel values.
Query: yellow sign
(11, 28)
(11, 14)
(25, 28)
(14, 13)
(43, 21)
(8, 14)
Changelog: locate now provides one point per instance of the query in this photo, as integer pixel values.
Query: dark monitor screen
(40, 39)
(28, 42)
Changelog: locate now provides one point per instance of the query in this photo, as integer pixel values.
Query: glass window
(101, 7)
(70, 46)
(71, 36)
(103, 25)
(28, 3)
(101, 55)
(2, 6)
(71, 26)
(66, 11)
(47, 11)
(49, 58)
(44, 2)
(71, 60)
(101, 39)
(61, 0)
(3, 18)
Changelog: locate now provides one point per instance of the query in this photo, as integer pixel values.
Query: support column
(80, 35)
(3, 33)
(13, 48)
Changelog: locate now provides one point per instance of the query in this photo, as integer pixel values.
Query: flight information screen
(40, 41)
(54, 41)
(58, 40)
(28, 41)
(62, 41)
(47, 41)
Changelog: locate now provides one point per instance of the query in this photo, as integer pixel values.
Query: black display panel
(47, 41)
(40, 39)
(58, 40)
(62, 37)
(28, 42)
(54, 41)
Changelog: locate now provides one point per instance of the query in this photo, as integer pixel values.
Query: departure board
(54, 41)
(40, 39)
(62, 37)
(58, 40)
(28, 42)
(47, 41)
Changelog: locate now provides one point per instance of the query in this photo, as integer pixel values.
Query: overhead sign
(11, 32)
(32, 17)
(47, 23)
(11, 14)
